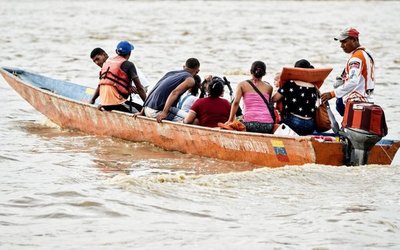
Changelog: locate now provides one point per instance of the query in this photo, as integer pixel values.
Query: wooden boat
(66, 104)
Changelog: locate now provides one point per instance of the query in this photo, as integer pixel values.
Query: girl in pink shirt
(256, 115)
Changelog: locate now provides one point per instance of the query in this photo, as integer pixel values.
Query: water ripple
(60, 189)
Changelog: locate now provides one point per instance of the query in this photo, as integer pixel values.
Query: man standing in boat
(357, 81)
(168, 89)
(116, 77)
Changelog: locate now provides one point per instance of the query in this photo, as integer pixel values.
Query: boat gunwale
(320, 148)
(45, 91)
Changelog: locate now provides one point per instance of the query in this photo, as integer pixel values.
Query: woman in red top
(211, 110)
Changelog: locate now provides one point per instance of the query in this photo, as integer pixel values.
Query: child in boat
(204, 86)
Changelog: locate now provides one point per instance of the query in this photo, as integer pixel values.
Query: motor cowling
(363, 125)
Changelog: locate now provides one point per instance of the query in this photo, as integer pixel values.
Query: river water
(62, 189)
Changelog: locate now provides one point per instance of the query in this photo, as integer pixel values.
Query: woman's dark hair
(303, 63)
(258, 69)
(197, 85)
(216, 87)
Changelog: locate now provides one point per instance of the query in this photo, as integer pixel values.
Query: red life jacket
(112, 74)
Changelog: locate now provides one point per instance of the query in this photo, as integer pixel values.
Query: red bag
(366, 116)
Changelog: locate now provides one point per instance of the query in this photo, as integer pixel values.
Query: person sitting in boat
(204, 86)
(256, 114)
(276, 79)
(99, 56)
(167, 91)
(116, 77)
(277, 107)
(357, 81)
(298, 102)
(211, 110)
(186, 100)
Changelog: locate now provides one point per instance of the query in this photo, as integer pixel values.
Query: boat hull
(258, 149)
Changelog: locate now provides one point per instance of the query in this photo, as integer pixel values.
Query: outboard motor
(363, 126)
(358, 146)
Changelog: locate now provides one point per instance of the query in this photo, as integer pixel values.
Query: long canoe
(66, 104)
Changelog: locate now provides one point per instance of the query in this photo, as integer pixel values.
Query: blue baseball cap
(124, 48)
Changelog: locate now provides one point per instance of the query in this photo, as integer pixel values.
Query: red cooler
(365, 116)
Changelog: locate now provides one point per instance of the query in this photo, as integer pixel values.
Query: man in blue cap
(116, 77)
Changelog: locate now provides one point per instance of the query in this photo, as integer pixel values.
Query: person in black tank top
(299, 103)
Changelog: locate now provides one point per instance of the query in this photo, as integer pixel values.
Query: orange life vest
(313, 76)
(368, 76)
(112, 74)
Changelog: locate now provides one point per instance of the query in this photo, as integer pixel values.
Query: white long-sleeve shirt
(359, 77)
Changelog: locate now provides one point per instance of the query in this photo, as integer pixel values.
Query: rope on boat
(386, 153)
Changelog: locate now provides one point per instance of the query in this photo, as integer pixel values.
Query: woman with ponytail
(256, 113)
(211, 110)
